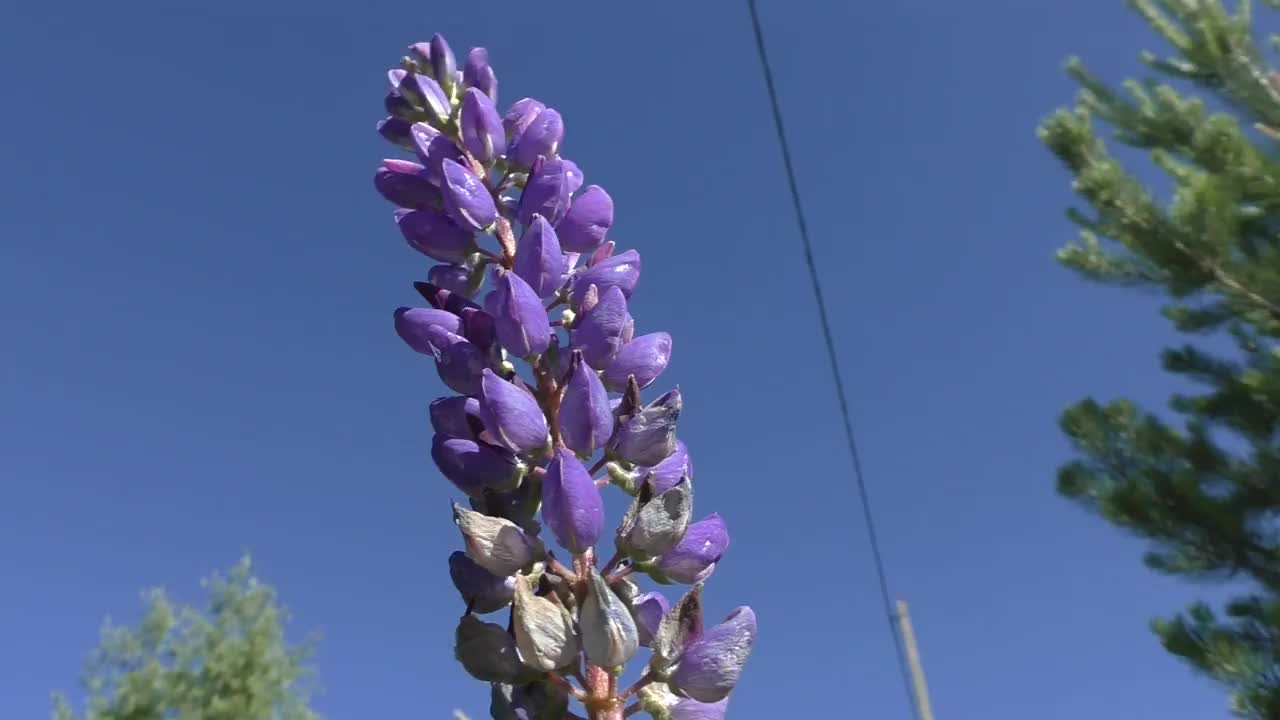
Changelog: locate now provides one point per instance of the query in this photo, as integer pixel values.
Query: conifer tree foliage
(1205, 488)
(228, 662)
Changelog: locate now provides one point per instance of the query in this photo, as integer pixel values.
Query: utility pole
(918, 685)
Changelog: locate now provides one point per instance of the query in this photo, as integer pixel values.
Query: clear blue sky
(197, 357)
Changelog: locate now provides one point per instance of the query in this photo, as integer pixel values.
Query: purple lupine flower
(520, 320)
(540, 137)
(649, 609)
(573, 173)
(458, 361)
(571, 503)
(604, 329)
(649, 436)
(547, 192)
(482, 132)
(454, 278)
(433, 97)
(474, 467)
(645, 357)
(412, 324)
(538, 258)
(585, 418)
(466, 198)
(695, 558)
(709, 667)
(511, 414)
(398, 105)
(587, 221)
(518, 117)
(483, 591)
(396, 131)
(456, 416)
(405, 184)
(432, 148)
(689, 709)
(664, 475)
(621, 271)
(478, 74)
(433, 234)
(602, 253)
(443, 65)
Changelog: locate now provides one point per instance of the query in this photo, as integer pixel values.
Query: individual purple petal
(454, 278)
(690, 709)
(520, 320)
(649, 609)
(602, 253)
(588, 220)
(648, 436)
(456, 416)
(667, 473)
(433, 148)
(538, 258)
(396, 131)
(433, 234)
(517, 119)
(695, 558)
(405, 184)
(478, 74)
(511, 414)
(573, 173)
(412, 325)
(443, 65)
(434, 97)
(547, 193)
(482, 133)
(398, 105)
(466, 198)
(621, 271)
(474, 467)
(421, 52)
(541, 137)
(459, 362)
(585, 419)
(710, 666)
(483, 591)
(646, 357)
(571, 503)
(604, 329)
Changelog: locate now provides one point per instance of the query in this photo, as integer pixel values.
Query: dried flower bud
(433, 234)
(621, 271)
(482, 133)
(478, 74)
(695, 558)
(544, 630)
(585, 418)
(649, 436)
(539, 260)
(678, 628)
(405, 184)
(648, 609)
(541, 137)
(520, 319)
(496, 544)
(487, 651)
(710, 666)
(456, 416)
(481, 590)
(608, 631)
(511, 414)
(604, 329)
(459, 362)
(656, 523)
(454, 278)
(645, 357)
(588, 220)
(466, 198)
(547, 193)
(571, 503)
(474, 467)
(412, 324)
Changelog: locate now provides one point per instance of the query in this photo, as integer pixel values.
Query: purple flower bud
(710, 666)
(397, 77)
(412, 324)
(405, 184)
(667, 473)
(604, 329)
(482, 133)
(517, 119)
(454, 278)
(483, 591)
(478, 74)
(519, 317)
(573, 172)
(474, 467)
(588, 220)
(571, 503)
(621, 271)
(398, 105)
(695, 558)
(443, 65)
(585, 419)
(547, 193)
(649, 609)
(466, 198)
(456, 416)
(421, 52)
(433, 234)
(433, 148)
(458, 361)
(396, 131)
(646, 357)
(538, 258)
(511, 414)
(541, 137)
(689, 709)
(434, 97)
(649, 436)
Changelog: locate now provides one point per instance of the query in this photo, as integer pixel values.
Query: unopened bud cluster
(527, 320)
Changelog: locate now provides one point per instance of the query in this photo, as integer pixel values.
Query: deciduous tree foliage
(1205, 488)
(230, 661)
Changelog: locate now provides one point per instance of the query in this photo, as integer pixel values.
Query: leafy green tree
(230, 662)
